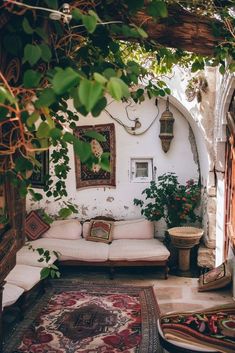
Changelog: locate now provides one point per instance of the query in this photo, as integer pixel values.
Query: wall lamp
(166, 127)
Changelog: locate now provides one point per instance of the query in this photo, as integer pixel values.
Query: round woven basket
(185, 237)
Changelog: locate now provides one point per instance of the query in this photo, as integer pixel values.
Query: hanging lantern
(166, 127)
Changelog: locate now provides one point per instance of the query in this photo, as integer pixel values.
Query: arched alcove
(203, 154)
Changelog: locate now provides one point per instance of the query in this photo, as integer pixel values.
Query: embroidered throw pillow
(100, 231)
(216, 278)
(35, 226)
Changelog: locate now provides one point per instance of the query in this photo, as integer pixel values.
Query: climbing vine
(53, 54)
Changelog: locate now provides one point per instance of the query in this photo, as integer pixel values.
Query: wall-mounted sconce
(166, 127)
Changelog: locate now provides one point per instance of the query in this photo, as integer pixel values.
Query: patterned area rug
(89, 318)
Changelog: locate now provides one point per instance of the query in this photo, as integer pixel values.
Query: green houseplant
(169, 200)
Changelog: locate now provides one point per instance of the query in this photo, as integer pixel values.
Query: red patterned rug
(89, 318)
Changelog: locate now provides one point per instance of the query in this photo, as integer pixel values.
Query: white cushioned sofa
(132, 244)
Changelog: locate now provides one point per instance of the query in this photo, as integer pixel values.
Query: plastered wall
(182, 158)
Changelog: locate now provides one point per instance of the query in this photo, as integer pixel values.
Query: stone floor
(174, 294)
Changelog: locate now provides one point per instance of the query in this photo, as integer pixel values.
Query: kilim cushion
(35, 226)
(100, 231)
(216, 278)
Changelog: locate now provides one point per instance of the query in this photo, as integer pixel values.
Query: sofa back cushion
(133, 229)
(65, 229)
(86, 229)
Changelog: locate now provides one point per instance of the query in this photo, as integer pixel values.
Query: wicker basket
(185, 237)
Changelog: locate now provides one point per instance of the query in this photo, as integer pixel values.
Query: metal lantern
(166, 127)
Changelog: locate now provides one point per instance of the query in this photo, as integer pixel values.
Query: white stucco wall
(118, 201)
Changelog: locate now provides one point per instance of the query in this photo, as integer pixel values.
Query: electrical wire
(131, 130)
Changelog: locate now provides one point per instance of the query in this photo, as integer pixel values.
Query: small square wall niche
(141, 170)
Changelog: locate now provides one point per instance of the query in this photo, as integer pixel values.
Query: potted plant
(169, 200)
(174, 202)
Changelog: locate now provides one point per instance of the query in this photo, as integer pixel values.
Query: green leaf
(100, 78)
(105, 163)
(50, 122)
(82, 149)
(3, 111)
(37, 196)
(157, 8)
(56, 133)
(46, 54)
(43, 130)
(45, 272)
(23, 191)
(167, 90)
(89, 22)
(27, 27)
(40, 251)
(68, 137)
(44, 142)
(22, 164)
(52, 273)
(232, 67)
(64, 212)
(52, 4)
(94, 14)
(32, 119)
(99, 107)
(64, 80)
(222, 69)
(32, 53)
(197, 65)
(117, 88)
(5, 95)
(76, 14)
(46, 98)
(89, 93)
(31, 79)
(141, 32)
(95, 135)
(108, 73)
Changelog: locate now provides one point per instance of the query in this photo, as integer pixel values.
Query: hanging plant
(196, 86)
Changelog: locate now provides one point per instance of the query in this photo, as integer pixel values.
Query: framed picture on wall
(96, 176)
(37, 179)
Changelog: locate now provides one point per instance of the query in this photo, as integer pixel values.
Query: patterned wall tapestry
(96, 176)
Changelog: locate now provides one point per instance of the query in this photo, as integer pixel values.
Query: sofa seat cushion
(24, 276)
(133, 229)
(138, 250)
(11, 294)
(64, 229)
(81, 249)
(26, 256)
